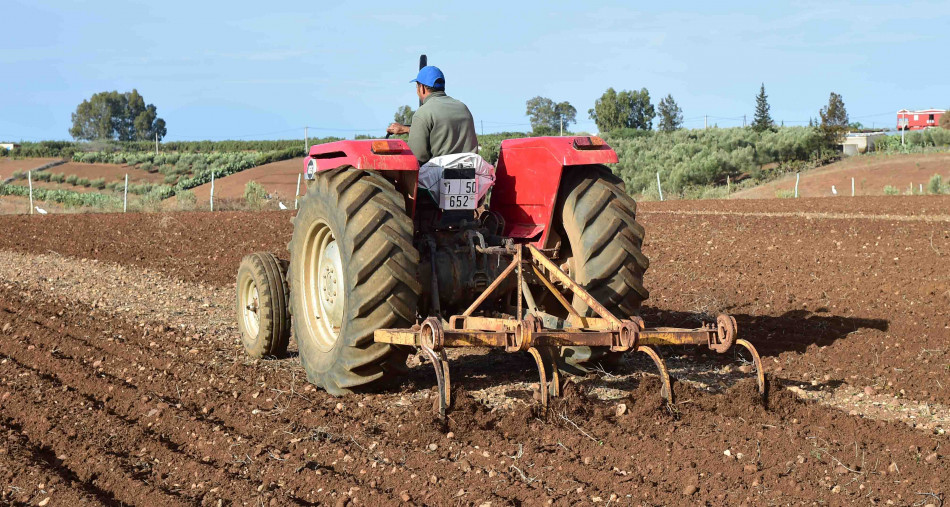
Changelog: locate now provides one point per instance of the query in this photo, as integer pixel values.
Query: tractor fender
(528, 176)
(392, 158)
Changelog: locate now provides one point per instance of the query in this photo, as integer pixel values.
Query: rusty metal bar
(520, 259)
(578, 291)
(572, 338)
(482, 323)
(396, 336)
(491, 288)
(675, 336)
(490, 332)
(470, 338)
(557, 294)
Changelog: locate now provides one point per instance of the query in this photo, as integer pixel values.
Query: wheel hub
(331, 267)
(323, 290)
(251, 300)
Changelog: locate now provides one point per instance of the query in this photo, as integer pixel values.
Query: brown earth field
(122, 381)
(871, 174)
(277, 178)
(110, 172)
(8, 166)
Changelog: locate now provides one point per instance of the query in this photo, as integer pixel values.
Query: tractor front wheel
(262, 305)
(353, 270)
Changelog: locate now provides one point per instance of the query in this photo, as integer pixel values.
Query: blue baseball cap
(430, 76)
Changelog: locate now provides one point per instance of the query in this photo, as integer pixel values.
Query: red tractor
(547, 261)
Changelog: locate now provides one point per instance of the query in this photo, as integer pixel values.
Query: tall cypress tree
(763, 120)
(671, 116)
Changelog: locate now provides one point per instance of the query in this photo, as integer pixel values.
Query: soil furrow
(87, 446)
(29, 474)
(145, 398)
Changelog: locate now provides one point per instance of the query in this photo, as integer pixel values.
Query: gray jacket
(441, 126)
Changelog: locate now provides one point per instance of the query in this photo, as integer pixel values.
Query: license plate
(458, 194)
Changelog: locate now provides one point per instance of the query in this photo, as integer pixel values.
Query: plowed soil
(108, 402)
(8, 165)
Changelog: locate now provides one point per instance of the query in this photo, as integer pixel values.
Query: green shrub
(71, 179)
(171, 179)
(254, 195)
(935, 185)
(83, 182)
(687, 158)
(889, 190)
(67, 197)
(98, 183)
(17, 175)
(785, 194)
(187, 200)
(57, 178)
(42, 176)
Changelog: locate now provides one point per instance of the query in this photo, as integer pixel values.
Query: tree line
(633, 109)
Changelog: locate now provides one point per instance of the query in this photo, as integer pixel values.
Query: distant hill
(871, 174)
(278, 178)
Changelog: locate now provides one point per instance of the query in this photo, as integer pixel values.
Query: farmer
(441, 125)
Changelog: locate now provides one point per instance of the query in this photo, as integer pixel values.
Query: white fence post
(798, 177)
(658, 187)
(852, 187)
(297, 193)
(728, 185)
(125, 196)
(212, 190)
(29, 178)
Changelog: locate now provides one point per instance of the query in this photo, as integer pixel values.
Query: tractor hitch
(541, 334)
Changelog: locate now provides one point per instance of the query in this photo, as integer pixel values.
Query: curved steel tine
(555, 374)
(667, 391)
(757, 361)
(549, 355)
(543, 386)
(439, 378)
(448, 380)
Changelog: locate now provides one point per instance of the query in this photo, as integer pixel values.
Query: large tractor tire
(353, 270)
(603, 243)
(263, 301)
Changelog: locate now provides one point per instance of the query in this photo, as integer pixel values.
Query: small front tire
(263, 301)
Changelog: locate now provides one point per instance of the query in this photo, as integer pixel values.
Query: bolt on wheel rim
(250, 302)
(324, 296)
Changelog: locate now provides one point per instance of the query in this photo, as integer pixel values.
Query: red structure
(918, 120)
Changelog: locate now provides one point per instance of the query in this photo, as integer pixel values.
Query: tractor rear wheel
(603, 249)
(262, 305)
(353, 270)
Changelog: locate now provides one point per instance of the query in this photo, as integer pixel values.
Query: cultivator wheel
(602, 248)
(262, 305)
(353, 270)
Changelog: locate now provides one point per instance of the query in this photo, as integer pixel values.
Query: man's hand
(397, 129)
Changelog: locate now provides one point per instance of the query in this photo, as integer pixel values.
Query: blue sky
(264, 70)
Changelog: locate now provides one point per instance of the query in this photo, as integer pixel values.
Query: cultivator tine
(432, 338)
(541, 334)
(757, 362)
(667, 390)
(548, 387)
(441, 366)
